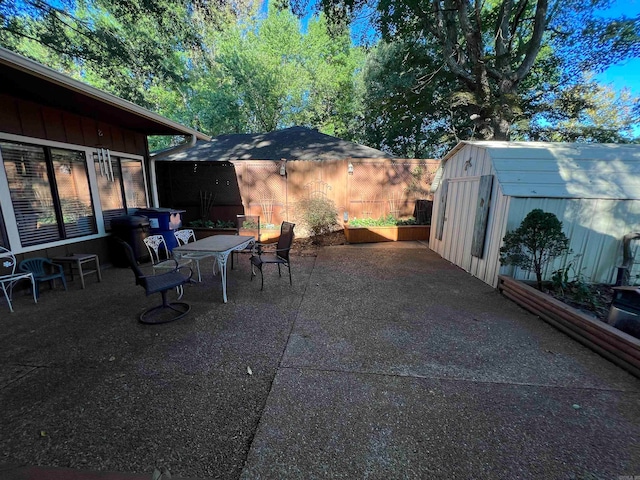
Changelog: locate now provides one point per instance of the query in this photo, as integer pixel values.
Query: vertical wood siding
(20, 117)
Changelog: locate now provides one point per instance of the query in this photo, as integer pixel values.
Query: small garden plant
(538, 240)
(250, 225)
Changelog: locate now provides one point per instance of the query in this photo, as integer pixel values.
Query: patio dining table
(218, 246)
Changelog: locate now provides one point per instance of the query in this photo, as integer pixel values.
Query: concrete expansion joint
(454, 380)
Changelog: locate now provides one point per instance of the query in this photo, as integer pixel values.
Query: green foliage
(570, 284)
(406, 115)
(318, 214)
(215, 66)
(583, 112)
(446, 72)
(537, 240)
(250, 224)
(211, 224)
(384, 221)
(439, 75)
(275, 76)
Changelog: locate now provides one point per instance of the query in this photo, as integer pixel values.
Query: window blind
(73, 191)
(30, 190)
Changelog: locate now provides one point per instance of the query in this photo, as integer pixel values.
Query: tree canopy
(441, 71)
(495, 64)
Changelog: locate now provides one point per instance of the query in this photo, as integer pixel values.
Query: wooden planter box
(398, 233)
(267, 235)
(613, 344)
(202, 232)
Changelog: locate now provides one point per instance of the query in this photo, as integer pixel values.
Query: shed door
(462, 198)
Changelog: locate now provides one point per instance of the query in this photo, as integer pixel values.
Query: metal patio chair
(9, 277)
(247, 225)
(43, 270)
(265, 254)
(161, 284)
(185, 236)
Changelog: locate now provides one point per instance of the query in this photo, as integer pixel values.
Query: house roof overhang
(29, 80)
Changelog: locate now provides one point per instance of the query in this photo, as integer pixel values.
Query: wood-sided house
(73, 157)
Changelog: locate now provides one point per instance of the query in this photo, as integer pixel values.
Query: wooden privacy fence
(374, 188)
(271, 189)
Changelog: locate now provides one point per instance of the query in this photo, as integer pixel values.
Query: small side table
(77, 260)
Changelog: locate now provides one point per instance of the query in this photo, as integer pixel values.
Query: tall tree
(274, 75)
(491, 47)
(121, 46)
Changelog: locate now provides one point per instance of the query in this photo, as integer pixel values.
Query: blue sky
(626, 74)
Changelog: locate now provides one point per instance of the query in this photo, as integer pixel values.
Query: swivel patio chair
(185, 236)
(280, 256)
(9, 277)
(43, 270)
(161, 283)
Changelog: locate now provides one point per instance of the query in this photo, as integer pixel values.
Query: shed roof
(563, 170)
(295, 143)
(24, 78)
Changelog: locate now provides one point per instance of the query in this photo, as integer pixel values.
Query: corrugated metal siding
(463, 171)
(567, 170)
(595, 229)
(595, 226)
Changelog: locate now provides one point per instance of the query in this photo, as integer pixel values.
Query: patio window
(125, 191)
(50, 193)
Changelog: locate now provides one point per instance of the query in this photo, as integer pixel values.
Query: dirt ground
(308, 246)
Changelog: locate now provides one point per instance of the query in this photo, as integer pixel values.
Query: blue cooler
(163, 221)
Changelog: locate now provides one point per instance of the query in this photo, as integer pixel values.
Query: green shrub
(537, 240)
(318, 215)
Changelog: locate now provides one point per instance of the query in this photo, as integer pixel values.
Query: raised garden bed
(204, 232)
(613, 344)
(395, 233)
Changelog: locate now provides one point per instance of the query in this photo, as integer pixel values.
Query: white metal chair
(157, 246)
(9, 277)
(185, 236)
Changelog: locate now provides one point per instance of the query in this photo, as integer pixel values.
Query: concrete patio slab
(382, 361)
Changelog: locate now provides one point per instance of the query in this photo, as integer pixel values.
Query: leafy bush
(537, 240)
(388, 221)
(318, 214)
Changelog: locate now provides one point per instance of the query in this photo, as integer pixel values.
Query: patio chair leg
(253, 274)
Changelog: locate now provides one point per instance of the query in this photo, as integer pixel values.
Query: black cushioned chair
(162, 283)
(280, 256)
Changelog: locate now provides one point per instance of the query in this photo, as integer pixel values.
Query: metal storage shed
(484, 189)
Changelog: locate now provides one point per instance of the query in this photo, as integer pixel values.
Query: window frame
(12, 236)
